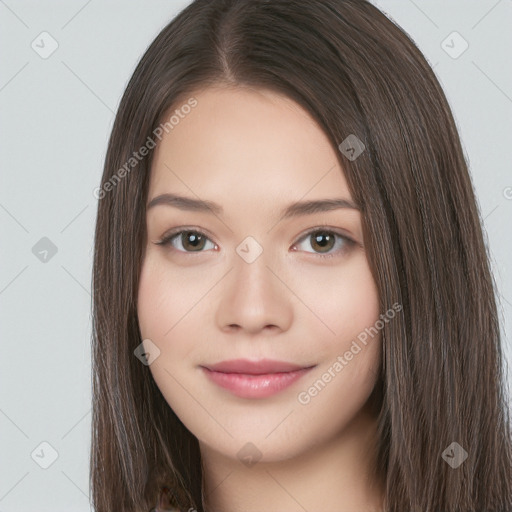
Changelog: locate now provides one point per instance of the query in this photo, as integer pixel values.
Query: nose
(254, 299)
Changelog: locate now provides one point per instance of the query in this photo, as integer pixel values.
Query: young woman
(293, 307)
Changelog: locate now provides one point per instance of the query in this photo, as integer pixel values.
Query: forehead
(246, 144)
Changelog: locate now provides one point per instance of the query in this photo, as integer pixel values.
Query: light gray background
(56, 115)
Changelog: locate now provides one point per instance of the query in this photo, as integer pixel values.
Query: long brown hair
(441, 381)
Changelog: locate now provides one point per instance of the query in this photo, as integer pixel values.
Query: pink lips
(254, 379)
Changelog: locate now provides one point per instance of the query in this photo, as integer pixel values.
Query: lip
(254, 379)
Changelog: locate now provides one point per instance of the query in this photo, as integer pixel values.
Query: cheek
(346, 306)
(152, 302)
(165, 308)
(345, 302)
(167, 298)
(171, 307)
(349, 359)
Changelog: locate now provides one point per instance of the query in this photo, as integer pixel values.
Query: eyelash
(348, 242)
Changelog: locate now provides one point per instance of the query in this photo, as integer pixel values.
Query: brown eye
(327, 243)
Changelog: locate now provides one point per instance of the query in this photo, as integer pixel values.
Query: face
(241, 280)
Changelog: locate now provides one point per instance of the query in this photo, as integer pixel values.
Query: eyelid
(325, 227)
(169, 235)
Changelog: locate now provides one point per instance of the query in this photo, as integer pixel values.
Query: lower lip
(255, 386)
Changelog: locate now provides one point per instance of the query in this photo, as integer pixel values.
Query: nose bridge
(252, 278)
(251, 267)
(252, 296)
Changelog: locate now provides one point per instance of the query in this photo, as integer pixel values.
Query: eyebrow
(292, 210)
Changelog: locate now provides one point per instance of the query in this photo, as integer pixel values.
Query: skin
(254, 152)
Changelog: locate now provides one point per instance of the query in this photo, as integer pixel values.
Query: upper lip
(259, 367)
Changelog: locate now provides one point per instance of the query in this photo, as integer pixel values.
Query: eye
(324, 240)
(189, 240)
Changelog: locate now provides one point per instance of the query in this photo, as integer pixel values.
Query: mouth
(254, 379)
